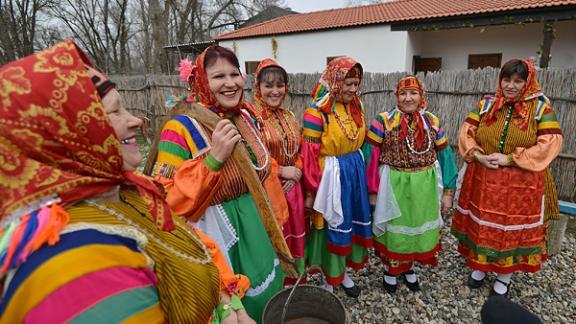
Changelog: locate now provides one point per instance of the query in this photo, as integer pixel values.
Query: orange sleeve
(192, 189)
(273, 188)
(467, 142)
(539, 156)
(298, 163)
(230, 283)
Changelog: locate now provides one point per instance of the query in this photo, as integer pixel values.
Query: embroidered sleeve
(467, 136)
(547, 121)
(371, 150)
(181, 139)
(313, 127)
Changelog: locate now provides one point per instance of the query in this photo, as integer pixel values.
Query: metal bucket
(305, 305)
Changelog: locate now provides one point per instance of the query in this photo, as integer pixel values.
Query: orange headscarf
(200, 89)
(411, 82)
(56, 139)
(332, 83)
(258, 100)
(530, 91)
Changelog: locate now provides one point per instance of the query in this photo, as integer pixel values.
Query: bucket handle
(302, 275)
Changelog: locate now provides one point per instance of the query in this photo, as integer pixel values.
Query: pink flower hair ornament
(186, 70)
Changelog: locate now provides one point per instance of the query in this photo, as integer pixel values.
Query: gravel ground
(445, 297)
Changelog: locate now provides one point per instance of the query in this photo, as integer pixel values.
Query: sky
(315, 5)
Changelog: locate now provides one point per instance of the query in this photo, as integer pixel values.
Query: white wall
(455, 45)
(375, 47)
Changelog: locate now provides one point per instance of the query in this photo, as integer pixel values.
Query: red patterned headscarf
(258, 100)
(331, 86)
(200, 89)
(412, 83)
(530, 91)
(56, 140)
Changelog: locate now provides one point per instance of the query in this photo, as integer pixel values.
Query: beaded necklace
(261, 147)
(285, 130)
(122, 218)
(338, 118)
(410, 142)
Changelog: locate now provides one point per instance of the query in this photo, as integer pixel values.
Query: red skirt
(499, 219)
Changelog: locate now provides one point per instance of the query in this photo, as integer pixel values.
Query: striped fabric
(181, 139)
(547, 121)
(56, 283)
(313, 125)
(387, 121)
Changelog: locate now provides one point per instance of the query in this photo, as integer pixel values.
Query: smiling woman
(205, 186)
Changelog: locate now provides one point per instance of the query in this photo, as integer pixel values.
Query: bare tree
(19, 19)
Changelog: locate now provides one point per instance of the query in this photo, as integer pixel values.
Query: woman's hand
(243, 317)
(373, 197)
(288, 185)
(309, 201)
(290, 173)
(232, 318)
(488, 161)
(500, 159)
(224, 139)
(446, 204)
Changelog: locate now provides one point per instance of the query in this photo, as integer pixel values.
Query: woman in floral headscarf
(411, 178)
(281, 133)
(205, 186)
(507, 192)
(334, 175)
(83, 237)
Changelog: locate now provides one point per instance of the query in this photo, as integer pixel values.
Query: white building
(414, 35)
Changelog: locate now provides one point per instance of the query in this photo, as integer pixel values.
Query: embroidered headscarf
(258, 99)
(412, 83)
(530, 91)
(331, 86)
(197, 78)
(57, 144)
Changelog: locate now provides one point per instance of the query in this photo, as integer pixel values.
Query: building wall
(375, 47)
(381, 50)
(455, 45)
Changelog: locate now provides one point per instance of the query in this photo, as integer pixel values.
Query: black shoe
(413, 286)
(505, 295)
(353, 291)
(475, 284)
(391, 289)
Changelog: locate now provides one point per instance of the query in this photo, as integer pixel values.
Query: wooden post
(546, 45)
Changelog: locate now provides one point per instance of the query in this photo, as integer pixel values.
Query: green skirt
(253, 255)
(332, 265)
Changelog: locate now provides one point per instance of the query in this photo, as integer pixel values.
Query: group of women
(86, 238)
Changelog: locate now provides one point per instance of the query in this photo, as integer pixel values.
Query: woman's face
(273, 91)
(225, 82)
(125, 126)
(350, 89)
(512, 86)
(408, 100)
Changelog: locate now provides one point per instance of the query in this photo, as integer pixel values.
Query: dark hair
(215, 52)
(273, 73)
(514, 67)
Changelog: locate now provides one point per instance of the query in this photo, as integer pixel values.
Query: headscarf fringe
(25, 235)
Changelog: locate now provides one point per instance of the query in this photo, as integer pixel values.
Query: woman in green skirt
(205, 186)
(411, 179)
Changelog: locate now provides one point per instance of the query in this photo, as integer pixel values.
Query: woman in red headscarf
(507, 192)
(411, 178)
(83, 237)
(281, 134)
(334, 175)
(205, 186)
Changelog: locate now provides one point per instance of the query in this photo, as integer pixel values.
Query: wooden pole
(547, 45)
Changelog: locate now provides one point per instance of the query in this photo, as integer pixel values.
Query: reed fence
(450, 95)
